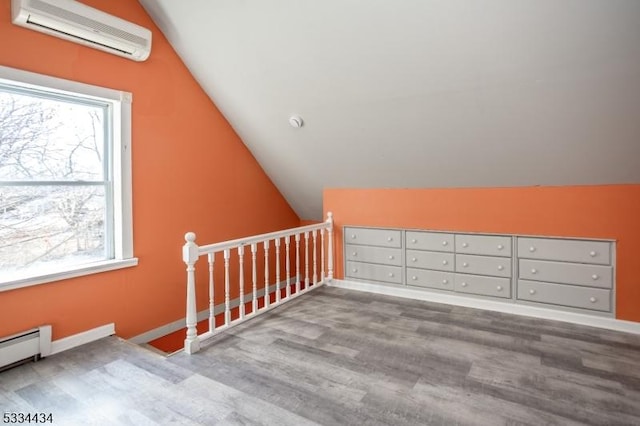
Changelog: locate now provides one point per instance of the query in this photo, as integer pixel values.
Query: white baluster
(306, 260)
(212, 305)
(254, 278)
(297, 264)
(287, 265)
(241, 280)
(277, 242)
(330, 247)
(267, 300)
(227, 301)
(322, 269)
(190, 257)
(315, 256)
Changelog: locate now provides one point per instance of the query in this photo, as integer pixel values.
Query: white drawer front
(432, 241)
(488, 286)
(567, 273)
(490, 245)
(565, 250)
(373, 237)
(483, 265)
(430, 260)
(431, 279)
(566, 295)
(371, 271)
(383, 255)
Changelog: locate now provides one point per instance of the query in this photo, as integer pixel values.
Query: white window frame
(120, 102)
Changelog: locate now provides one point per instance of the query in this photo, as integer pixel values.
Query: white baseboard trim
(163, 330)
(45, 340)
(491, 305)
(88, 336)
(179, 324)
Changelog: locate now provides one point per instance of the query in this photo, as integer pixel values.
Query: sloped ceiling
(420, 93)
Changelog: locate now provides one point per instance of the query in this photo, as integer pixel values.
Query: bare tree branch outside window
(54, 183)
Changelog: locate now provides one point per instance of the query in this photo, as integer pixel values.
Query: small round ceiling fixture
(296, 121)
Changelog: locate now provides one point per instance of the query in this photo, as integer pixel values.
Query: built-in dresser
(563, 273)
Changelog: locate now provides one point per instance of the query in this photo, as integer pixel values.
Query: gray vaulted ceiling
(420, 93)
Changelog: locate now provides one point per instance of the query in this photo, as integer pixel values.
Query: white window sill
(78, 271)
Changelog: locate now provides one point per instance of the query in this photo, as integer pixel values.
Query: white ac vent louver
(77, 22)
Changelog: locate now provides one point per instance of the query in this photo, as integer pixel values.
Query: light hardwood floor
(337, 357)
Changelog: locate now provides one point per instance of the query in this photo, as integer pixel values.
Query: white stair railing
(295, 285)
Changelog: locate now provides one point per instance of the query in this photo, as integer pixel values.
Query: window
(65, 187)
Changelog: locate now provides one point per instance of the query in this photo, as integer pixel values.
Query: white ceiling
(420, 93)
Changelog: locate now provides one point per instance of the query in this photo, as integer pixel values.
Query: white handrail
(191, 252)
(215, 247)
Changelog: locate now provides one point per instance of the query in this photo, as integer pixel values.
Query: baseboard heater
(26, 346)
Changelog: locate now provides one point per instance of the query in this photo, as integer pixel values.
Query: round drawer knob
(391, 274)
(413, 259)
(592, 253)
(444, 262)
(465, 264)
(414, 241)
(390, 239)
(355, 253)
(355, 270)
(414, 278)
(500, 267)
(391, 257)
(444, 243)
(532, 291)
(532, 249)
(465, 245)
(593, 300)
(534, 271)
(499, 288)
(594, 277)
(445, 281)
(353, 236)
(463, 284)
(500, 246)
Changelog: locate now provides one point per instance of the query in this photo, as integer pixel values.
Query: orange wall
(191, 172)
(608, 211)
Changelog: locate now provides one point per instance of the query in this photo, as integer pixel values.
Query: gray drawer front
(487, 286)
(383, 255)
(371, 271)
(433, 241)
(483, 265)
(566, 295)
(567, 273)
(430, 260)
(490, 245)
(565, 250)
(431, 279)
(373, 237)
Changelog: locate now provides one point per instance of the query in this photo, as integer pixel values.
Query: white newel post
(330, 247)
(190, 257)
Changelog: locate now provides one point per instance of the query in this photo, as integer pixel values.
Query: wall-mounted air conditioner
(74, 21)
